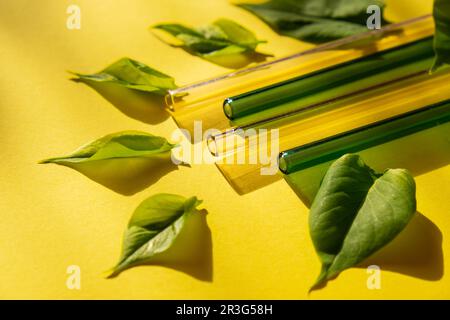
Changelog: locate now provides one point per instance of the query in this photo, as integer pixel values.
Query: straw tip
(227, 108)
(282, 165)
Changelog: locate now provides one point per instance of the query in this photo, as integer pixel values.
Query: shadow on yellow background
(416, 251)
(126, 176)
(141, 106)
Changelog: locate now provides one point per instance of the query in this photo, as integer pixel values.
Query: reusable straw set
(369, 94)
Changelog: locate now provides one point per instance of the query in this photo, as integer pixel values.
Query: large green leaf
(153, 228)
(441, 14)
(315, 21)
(223, 37)
(134, 75)
(125, 144)
(356, 212)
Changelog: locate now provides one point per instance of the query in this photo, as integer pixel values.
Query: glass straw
(364, 137)
(335, 81)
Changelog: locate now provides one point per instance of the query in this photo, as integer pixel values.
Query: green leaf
(315, 21)
(223, 37)
(125, 144)
(237, 34)
(153, 228)
(135, 75)
(441, 13)
(356, 212)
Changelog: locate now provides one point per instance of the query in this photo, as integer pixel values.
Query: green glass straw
(335, 81)
(315, 153)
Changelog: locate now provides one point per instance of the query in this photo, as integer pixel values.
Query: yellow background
(53, 217)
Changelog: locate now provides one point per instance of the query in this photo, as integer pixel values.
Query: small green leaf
(441, 13)
(315, 21)
(356, 212)
(237, 34)
(133, 74)
(221, 38)
(125, 144)
(153, 228)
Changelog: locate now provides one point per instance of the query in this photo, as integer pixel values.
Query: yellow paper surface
(53, 217)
